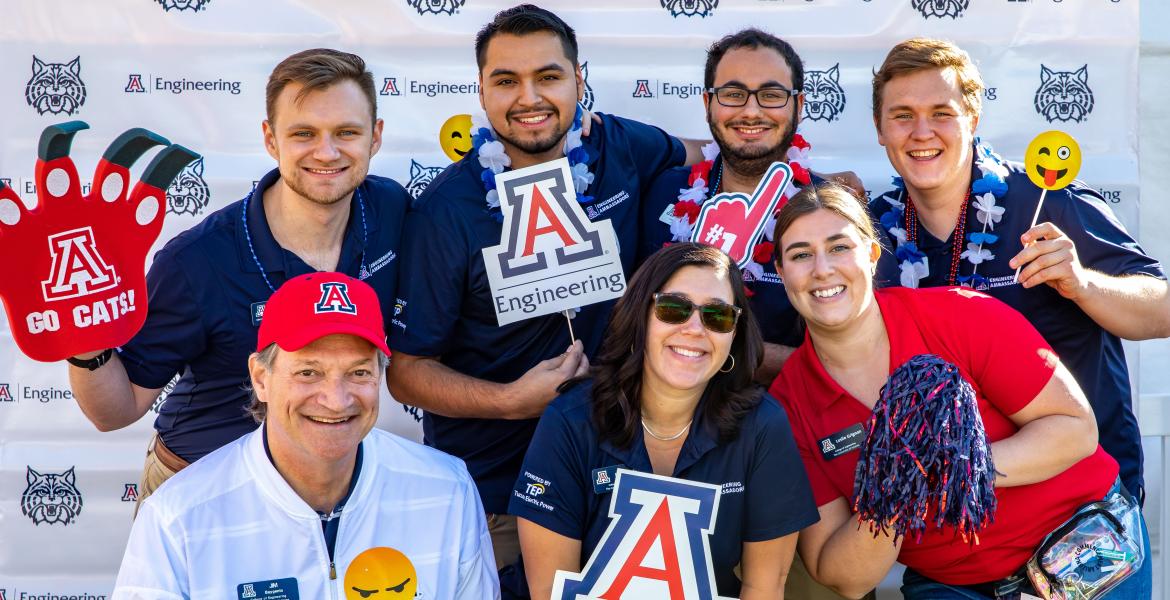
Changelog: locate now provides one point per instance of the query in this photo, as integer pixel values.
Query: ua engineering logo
(390, 87)
(437, 7)
(940, 8)
(131, 493)
(824, 100)
(642, 89)
(189, 194)
(55, 88)
(640, 555)
(134, 85)
(1064, 95)
(51, 497)
(78, 268)
(561, 220)
(6, 393)
(690, 8)
(191, 5)
(335, 298)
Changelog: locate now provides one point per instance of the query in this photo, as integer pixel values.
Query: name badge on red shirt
(843, 442)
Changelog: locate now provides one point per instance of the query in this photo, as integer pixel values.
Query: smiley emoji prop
(455, 137)
(1053, 160)
(380, 573)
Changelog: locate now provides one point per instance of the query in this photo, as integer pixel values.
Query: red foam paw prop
(74, 264)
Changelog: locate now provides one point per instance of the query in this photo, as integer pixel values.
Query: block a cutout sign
(734, 222)
(551, 257)
(656, 545)
(74, 276)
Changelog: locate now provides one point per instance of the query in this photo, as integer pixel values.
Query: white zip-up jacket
(230, 527)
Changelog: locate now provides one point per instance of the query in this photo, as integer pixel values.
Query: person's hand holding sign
(538, 386)
(1052, 162)
(75, 280)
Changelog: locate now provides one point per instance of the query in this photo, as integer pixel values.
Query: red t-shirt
(1000, 354)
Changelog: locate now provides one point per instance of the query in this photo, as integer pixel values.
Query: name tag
(273, 589)
(257, 313)
(603, 479)
(843, 442)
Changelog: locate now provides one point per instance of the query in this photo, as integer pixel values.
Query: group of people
(275, 310)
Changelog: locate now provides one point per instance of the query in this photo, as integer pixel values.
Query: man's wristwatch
(92, 363)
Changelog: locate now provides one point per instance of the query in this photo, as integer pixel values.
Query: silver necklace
(666, 438)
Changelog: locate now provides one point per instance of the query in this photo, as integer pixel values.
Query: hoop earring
(732, 367)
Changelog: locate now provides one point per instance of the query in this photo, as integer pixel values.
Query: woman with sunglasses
(670, 393)
(1042, 433)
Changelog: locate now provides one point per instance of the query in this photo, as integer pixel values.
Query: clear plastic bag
(1091, 553)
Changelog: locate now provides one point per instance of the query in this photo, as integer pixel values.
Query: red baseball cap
(315, 305)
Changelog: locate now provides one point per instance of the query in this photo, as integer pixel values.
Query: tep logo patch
(335, 298)
(656, 545)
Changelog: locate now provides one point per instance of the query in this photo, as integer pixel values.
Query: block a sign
(551, 257)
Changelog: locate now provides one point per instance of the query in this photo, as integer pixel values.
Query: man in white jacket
(314, 503)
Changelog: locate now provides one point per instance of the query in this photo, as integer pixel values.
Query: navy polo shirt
(206, 296)
(779, 322)
(1094, 356)
(765, 491)
(445, 302)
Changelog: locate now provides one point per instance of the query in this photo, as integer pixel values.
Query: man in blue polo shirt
(753, 99)
(318, 210)
(962, 215)
(483, 386)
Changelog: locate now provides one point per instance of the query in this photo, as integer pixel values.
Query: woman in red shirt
(1042, 432)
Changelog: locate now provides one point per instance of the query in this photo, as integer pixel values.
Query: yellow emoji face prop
(1053, 160)
(455, 137)
(380, 573)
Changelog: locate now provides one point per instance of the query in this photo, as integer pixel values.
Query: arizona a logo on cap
(335, 298)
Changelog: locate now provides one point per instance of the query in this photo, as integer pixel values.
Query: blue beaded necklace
(362, 272)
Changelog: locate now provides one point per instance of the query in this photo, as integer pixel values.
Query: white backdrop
(643, 62)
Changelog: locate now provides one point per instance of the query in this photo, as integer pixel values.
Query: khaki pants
(155, 471)
(801, 585)
(505, 539)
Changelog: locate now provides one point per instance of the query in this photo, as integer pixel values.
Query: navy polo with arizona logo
(566, 482)
(1094, 356)
(445, 301)
(206, 300)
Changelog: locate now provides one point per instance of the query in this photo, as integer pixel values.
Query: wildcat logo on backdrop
(51, 497)
(690, 8)
(420, 178)
(189, 194)
(587, 98)
(656, 545)
(940, 8)
(55, 88)
(1064, 95)
(437, 7)
(824, 100)
(191, 5)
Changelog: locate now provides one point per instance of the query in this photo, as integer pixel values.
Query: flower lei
(984, 193)
(691, 199)
(494, 160)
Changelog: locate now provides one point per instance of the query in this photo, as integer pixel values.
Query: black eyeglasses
(767, 97)
(719, 317)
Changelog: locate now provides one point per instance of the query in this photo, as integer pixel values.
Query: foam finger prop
(925, 461)
(75, 279)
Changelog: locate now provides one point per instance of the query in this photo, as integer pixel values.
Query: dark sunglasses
(719, 317)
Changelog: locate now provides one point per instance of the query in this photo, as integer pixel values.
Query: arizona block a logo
(335, 298)
(734, 222)
(551, 256)
(80, 282)
(656, 545)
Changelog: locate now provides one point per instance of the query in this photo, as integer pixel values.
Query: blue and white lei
(985, 192)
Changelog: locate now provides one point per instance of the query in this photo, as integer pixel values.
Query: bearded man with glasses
(753, 103)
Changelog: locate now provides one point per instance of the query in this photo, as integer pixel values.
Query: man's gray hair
(267, 356)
